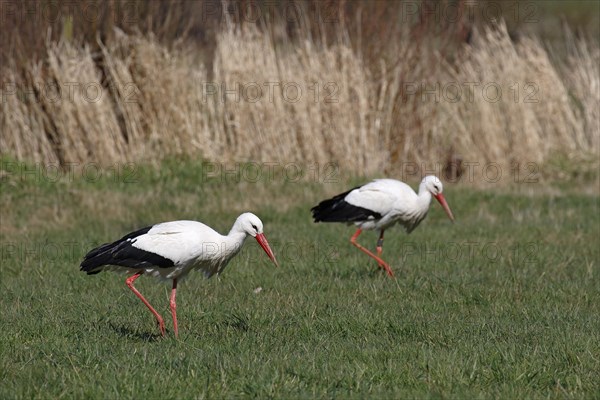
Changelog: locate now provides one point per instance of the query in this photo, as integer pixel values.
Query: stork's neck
(424, 197)
(236, 237)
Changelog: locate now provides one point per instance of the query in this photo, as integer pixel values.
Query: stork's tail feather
(337, 209)
(97, 258)
(111, 253)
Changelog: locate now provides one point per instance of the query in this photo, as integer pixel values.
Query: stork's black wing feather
(123, 253)
(337, 209)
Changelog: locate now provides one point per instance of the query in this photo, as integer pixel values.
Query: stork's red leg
(380, 244)
(380, 262)
(174, 306)
(129, 282)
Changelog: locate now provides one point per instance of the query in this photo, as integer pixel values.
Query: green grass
(502, 304)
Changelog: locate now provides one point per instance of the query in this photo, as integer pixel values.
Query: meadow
(501, 304)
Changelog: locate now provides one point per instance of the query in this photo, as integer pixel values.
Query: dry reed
(137, 100)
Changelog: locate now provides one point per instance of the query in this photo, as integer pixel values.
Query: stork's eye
(254, 227)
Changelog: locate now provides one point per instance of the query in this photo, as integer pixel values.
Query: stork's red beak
(442, 200)
(262, 240)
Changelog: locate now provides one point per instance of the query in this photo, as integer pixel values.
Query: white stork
(380, 204)
(172, 249)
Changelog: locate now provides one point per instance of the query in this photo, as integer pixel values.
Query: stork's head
(434, 186)
(253, 226)
(250, 224)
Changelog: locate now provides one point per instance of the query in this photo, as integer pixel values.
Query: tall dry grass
(313, 105)
(530, 109)
(369, 116)
(319, 108)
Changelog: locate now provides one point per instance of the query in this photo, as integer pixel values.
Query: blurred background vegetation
(381, 83)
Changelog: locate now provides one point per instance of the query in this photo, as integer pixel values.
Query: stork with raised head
(170, 250)
(380, 204)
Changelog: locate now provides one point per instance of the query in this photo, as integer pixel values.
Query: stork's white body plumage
(395, 201)
(171, 250)
(190, 245)
(379, 205)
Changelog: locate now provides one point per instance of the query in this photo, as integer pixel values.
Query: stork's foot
(386, 267)
(161, 326)
(380, 262)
